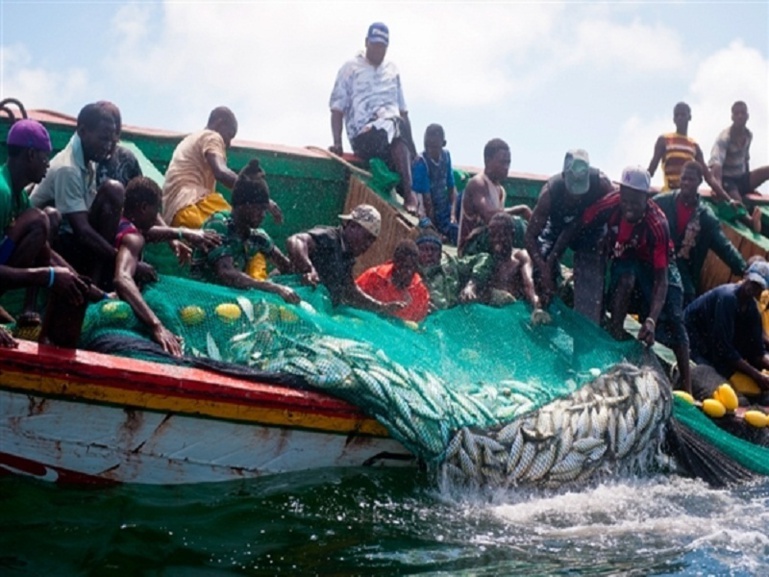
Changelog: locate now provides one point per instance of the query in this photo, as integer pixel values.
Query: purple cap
(378, 33)
(29, 133)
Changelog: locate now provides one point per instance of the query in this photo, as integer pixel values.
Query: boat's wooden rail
(93, 377)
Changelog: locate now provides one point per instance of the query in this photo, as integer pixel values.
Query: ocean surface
(344, 522)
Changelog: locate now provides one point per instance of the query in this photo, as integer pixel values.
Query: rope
(339, 159)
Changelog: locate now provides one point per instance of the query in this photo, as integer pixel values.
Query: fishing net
(478, 390)
(751, 456)
(467, 366)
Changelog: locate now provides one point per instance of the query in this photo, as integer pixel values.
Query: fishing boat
(86, 417)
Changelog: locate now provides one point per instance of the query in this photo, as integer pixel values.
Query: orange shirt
(377, 283)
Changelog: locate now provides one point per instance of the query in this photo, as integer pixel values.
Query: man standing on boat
(695, 230)
(644, 278)
(730, 157)
(484, 196)
(25, 254)
(326, 255)
(562, 201)
(368, 99)
(90, 215)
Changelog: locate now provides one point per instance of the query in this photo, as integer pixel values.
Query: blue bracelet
(51, 276)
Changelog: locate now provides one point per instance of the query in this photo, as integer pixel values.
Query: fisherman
(562, 200)
(399, 281)
(505, 274)
(644, 277)
(675, 149)
(326, 255)
(484, 196)
(136, 228)
(726, 334)
(442, 278)
(26, 259)
(198, 163)
(120, 163)
(695, 230)
(89, 215)
(730, 157)
(368, 99)
(243, 240)
(434, 183)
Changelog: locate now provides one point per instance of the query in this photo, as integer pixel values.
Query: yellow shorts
(195, 215)
(743, 384)
(257, 267)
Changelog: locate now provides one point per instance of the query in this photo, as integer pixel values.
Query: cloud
(631, 49)
(35, 86)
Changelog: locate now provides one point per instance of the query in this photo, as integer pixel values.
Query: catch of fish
(500, 434)
(609, 425)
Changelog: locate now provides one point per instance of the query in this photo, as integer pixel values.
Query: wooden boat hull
(74, 416)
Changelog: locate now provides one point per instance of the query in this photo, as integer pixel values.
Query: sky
(544, 76)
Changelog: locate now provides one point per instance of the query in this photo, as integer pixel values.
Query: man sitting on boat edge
(242, 239)
(368, 99)
(730, 157)
(326, 255)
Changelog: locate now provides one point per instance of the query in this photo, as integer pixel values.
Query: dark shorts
(374, 143)
(670, 329)
(7, 246)
(739, 183)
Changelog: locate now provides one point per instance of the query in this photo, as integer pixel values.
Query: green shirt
(242, 251)
(10, 207)
(446, 280)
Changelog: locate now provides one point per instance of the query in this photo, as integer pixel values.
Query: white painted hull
(105, 443)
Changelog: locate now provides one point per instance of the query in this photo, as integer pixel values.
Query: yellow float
(726, 395)
(756, 419)
(713, 408)
(684, 396)
(116, 310)
(192, 315)
(228, 312)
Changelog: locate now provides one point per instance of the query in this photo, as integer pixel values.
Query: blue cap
(758, 272)
(378, 33)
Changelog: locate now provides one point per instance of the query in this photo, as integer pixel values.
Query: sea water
(382, 522)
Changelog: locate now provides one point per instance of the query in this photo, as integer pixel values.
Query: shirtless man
(484, 197)
(507, 273)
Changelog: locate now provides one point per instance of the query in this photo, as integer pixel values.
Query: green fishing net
(472, 365)
(749, 455)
